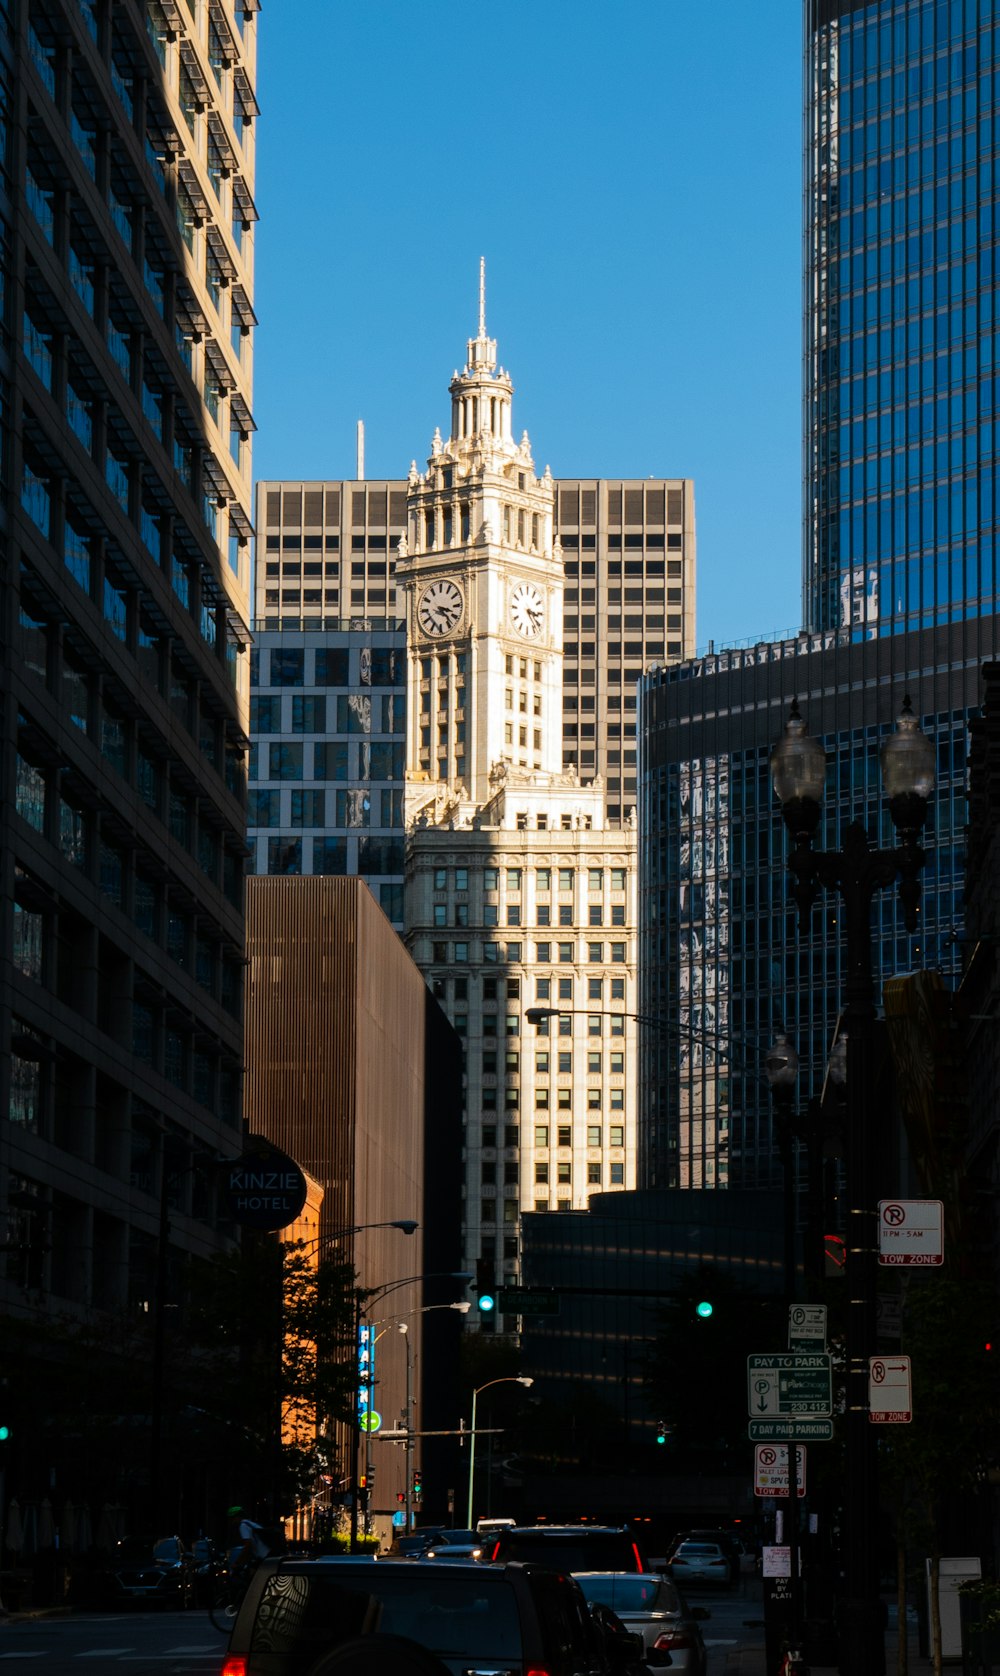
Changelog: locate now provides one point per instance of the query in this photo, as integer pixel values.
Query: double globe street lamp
(857, 871)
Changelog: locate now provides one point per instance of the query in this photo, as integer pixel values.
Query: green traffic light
(704, 1309)
(486, 1302)
(4, 1433)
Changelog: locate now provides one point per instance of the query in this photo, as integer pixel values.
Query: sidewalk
(748, 1660)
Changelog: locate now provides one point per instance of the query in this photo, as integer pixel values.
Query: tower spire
(482, 351)
(482, 296)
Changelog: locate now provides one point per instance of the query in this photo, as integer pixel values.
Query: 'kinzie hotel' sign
(264, 1188)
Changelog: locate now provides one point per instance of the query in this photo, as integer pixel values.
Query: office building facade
(901, 202)
(328, 550)
(127, 203)
(724, 963)
(328, 758)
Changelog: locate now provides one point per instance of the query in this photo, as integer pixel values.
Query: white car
(701, 1562)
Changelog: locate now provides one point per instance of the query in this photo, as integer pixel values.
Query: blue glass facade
(328, 751)
(901, 387)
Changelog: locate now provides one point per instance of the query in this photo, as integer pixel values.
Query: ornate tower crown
(481, 393)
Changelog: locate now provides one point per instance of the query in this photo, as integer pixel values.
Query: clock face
(440, 608)
(527, 610)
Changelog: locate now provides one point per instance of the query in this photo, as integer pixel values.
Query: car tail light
(638, 1559)
(493, 1557)
(537, 1670)
(674, 1638)
(235, 1665)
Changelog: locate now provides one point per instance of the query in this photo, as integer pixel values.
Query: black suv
(365, 1616)
(568, 1547)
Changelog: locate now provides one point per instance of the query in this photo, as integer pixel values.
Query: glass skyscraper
(901, 187)
(899, 590)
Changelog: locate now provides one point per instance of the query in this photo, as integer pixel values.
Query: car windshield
(631, 1592)
(469, 1615)
(695, 1550)
(460, 1538)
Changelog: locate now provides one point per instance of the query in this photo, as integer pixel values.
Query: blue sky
(632, 176)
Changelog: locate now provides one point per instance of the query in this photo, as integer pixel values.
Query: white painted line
(105, 1652)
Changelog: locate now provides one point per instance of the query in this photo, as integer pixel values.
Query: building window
(594, 1175)
(618, 953)
(543, 952)
(595, 953)
(616, 1135)
(617, 1175)
(593, 1134)
(566, 954)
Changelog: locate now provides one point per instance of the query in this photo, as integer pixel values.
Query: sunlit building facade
(126, 383)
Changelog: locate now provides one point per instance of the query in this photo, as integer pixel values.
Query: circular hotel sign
(264, 1188)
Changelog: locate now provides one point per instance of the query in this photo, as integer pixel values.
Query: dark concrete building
(722, 961)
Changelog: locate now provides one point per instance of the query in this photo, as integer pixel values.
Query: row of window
(494, 988)
(563, 1135)
(561, 1063)
(325, 666)
(513, 953)
(328, 760)
(515, 878)
(329, 856)
(458, 914)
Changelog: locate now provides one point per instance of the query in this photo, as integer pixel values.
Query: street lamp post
(422, 1309)
(509, 1379)
(857, 871)
(361, 1298)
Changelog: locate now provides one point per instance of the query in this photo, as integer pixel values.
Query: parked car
(731, 1544)
(148, 1569)
(569, 1547)
(454, 1551)
(701, 1562)
(360, 1615)
(654, 1607)
(418, 1543)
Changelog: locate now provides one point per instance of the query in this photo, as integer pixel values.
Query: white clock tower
(483, 582)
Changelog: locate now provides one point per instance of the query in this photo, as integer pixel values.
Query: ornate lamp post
(857, 871)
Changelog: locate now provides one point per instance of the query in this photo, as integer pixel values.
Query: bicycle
(230, 1590)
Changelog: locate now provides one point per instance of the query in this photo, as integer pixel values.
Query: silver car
(651, 1606)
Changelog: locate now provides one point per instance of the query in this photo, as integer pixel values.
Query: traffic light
(486, 1296)
(418, 1482)
(401, 1496)
(4, 1433)
(704, 1309)
(661, 1431)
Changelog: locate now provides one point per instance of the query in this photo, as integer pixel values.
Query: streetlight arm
(507, 1379)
